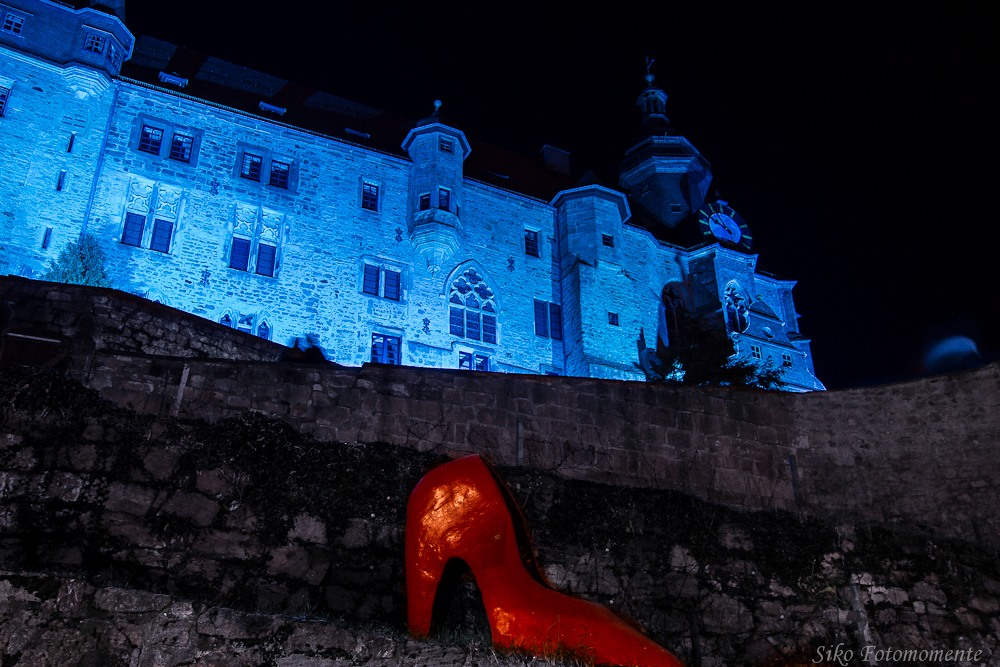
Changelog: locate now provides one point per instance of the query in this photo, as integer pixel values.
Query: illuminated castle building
(281, 210)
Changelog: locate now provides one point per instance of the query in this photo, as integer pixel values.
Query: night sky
(860, 147)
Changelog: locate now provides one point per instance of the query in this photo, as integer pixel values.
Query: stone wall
(250, 514)
(921, 453)
(50, 620)
(114, 321)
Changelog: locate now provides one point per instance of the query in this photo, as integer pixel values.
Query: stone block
(308, 528)
(130, 601)
(129, 498)
(226, 544)
(194, 506)
(231, 624)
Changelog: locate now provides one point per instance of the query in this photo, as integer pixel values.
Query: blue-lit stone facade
(282, 231)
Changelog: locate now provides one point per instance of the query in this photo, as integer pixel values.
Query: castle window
(555, 321)
(94, 42)
(265, 259)
(150, 140)
(530, 242)
(162, 229)
(4, 94)
(675, 208)
(264, 331)
(388, 280)
(471, 361)
(226, 321)
(371, 280)
(47, 238)
(239, 257)
(115, 55)
(12, 23)
(385, 349)
(279, 174)
(444, 199)
(786, 360)
(163, 139)
(608, 240)
(369, 196)
(392, 285)
(180, 147)
(541, 319)
(250, 167)
(613, 319)
(472, 311)
(134, 224)
(755, 352)
(425, 202)
(446, 145)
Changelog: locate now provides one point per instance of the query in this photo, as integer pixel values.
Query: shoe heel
(423, 574)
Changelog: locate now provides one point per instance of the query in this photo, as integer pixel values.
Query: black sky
(860, 146)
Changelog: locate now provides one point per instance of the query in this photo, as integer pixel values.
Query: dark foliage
(704, 350)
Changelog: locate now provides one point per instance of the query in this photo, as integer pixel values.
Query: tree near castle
(80, 263)
(701, 352)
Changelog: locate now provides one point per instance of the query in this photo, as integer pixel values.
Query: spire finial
(649, 77)
(437, 107)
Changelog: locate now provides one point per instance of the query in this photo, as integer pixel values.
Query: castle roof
(223, 83)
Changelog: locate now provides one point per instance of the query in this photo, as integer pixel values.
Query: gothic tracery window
(472, 308)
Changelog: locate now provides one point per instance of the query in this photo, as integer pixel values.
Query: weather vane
(649, 63)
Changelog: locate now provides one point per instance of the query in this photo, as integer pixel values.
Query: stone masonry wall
(110, 320)
(248, 513)
(50, 620)
(922, 453)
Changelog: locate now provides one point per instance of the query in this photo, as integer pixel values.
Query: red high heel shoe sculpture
(460, 511)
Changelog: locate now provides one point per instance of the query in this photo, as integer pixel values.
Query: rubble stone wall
(106, 319)
(249, 513)
(922, 453)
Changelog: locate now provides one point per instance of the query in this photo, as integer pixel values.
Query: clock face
(719, 220)
(725, 228)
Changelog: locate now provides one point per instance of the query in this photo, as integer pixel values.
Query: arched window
(226, 321)
(264, 331)
(472, 308)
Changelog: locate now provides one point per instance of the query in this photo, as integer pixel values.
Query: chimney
(555, 159)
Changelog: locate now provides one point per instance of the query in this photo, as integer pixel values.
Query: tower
(436, 194)
(666, 175)
(57, 88)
